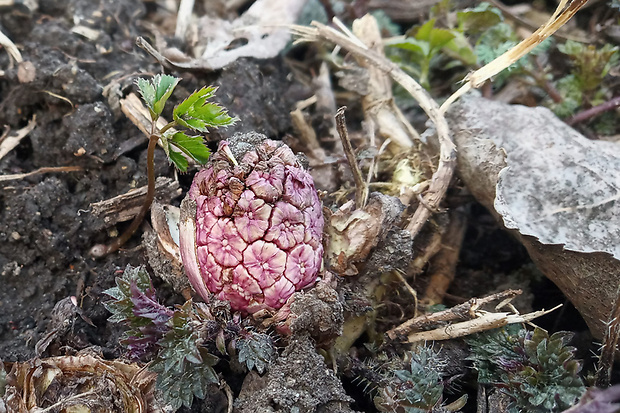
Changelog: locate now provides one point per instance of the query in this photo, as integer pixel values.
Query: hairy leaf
(256, 351)
(536, 370)
(135, 305)
(417, 389)
(185, 369)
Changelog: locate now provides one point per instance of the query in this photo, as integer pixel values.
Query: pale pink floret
(299, 262)
(313, 224)
(255, 237)
(298, 188)
(203, 176)
(240, 289)
(211, 270)
(225, 243)
(253, 216)
(250, 158)
(267, 184)
(277, 294)
(286, 227)
(204, 222)
(265, 262)
(285, 154)
(311, 271)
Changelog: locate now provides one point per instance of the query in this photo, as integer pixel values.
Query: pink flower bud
(251, 231)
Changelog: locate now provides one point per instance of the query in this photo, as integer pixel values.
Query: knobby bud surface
(251, 225)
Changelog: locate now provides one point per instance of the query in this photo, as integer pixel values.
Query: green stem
(168, 126)
(426, 64)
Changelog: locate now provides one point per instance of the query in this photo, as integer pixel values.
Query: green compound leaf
(147, 90)
(179, 146)
(478, 19)
(192, 146)
(197, 114)
(184, 368)
(155, 93)
(179, 161)
(164, 85)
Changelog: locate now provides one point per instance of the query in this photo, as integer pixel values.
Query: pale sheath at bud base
(251, 225)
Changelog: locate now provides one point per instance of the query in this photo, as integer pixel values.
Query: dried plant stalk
(459, 312)
(447, 151)
(487, 321)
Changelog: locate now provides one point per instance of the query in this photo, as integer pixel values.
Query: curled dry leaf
(162, 246)
(559, 191)
(352, 234)
(83, 383)
(260, 32)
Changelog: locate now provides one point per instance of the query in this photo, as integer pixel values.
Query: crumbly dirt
(46, 229)
(291, 384)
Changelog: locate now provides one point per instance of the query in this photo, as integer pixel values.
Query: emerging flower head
(251, 230)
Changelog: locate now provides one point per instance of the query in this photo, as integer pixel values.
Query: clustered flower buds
(251, 229)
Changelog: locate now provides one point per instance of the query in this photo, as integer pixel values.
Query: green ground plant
(194, 114)
(536, 370)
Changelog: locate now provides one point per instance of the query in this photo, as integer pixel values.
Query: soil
(46, 225)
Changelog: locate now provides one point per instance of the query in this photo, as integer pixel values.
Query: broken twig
(594, 111)
(487, 321)
(459, 312)
(361, 190)
(126, 206)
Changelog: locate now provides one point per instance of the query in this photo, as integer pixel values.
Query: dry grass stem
(447, 156)
(10, 142)
(184, 17)
(45, 170)
(11, 49)
(411, 291)
(378, 104)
